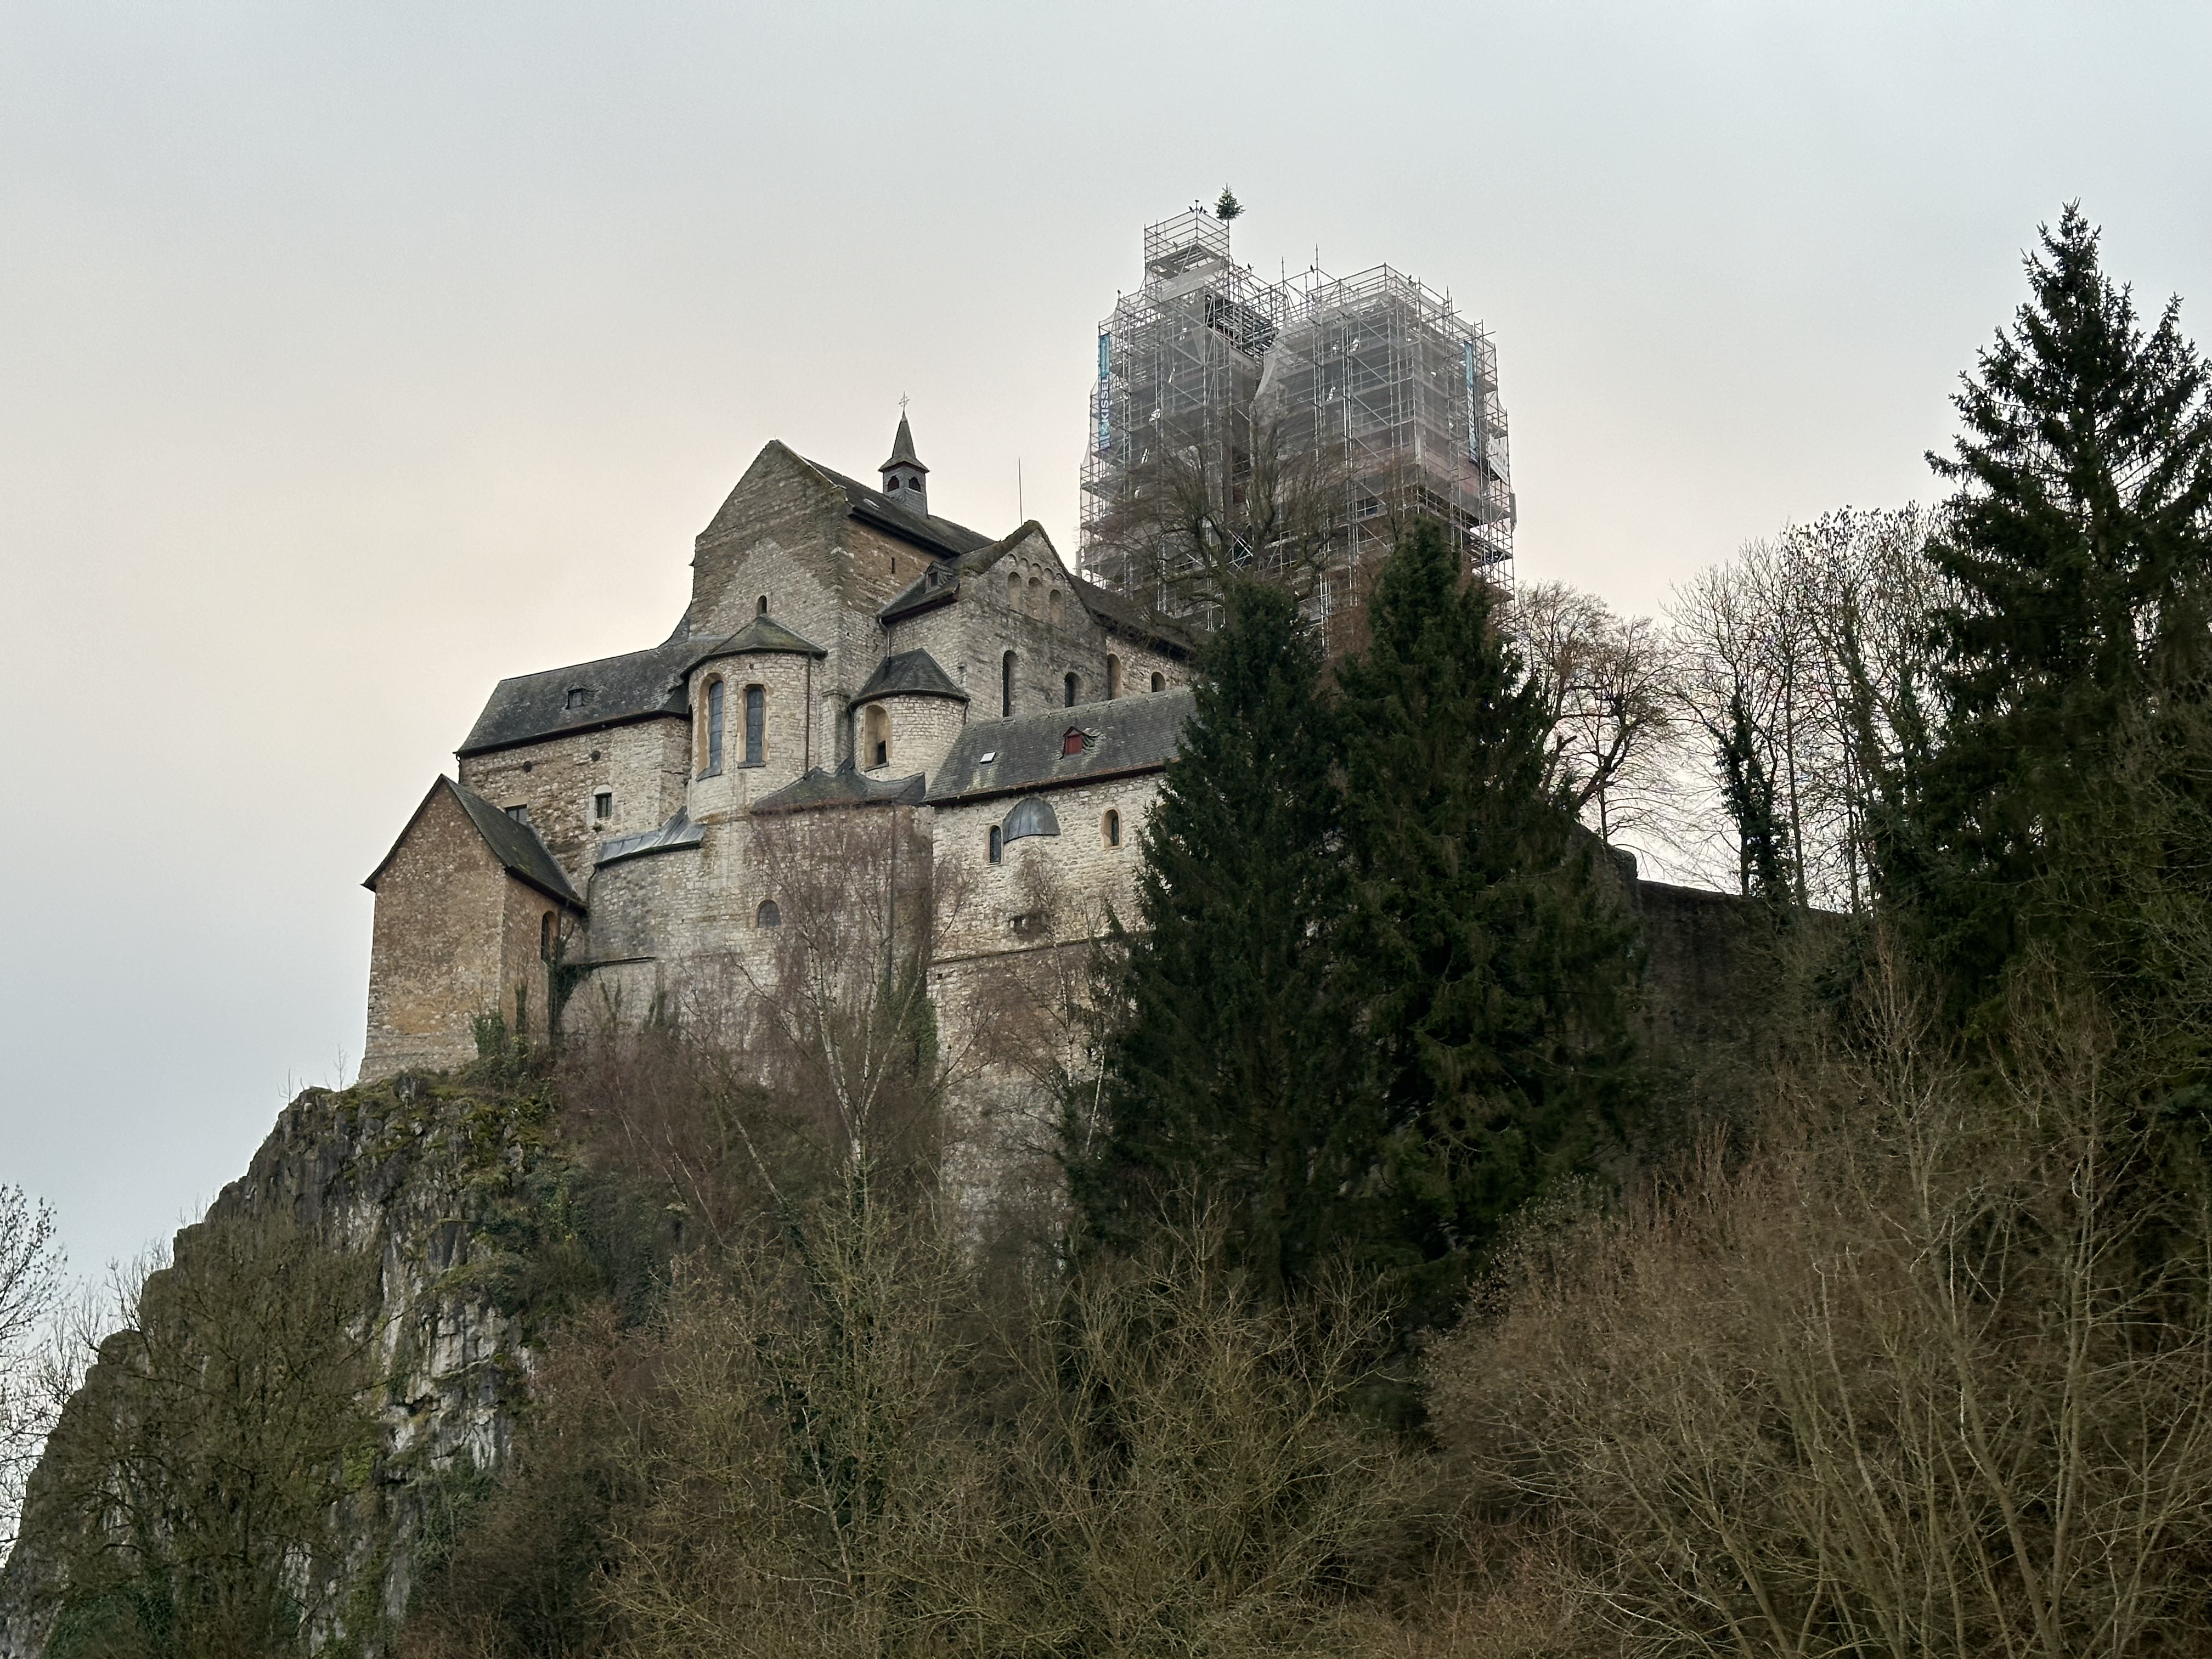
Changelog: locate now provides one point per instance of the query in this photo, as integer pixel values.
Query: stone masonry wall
(643, 766)
(436, 954)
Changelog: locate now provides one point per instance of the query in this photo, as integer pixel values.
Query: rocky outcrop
(445, 1180)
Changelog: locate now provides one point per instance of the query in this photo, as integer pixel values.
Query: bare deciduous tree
(1610, 690)
(31, 1265)
(1930, 1372)
(192, 1490)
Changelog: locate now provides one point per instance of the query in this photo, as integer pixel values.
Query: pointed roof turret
(902, 449)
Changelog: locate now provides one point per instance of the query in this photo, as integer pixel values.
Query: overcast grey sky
(354, 356)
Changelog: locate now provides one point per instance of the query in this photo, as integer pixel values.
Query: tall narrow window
(1052, 605)
(996, 844)
(876, 736)
(1113, 677)
(1006, 683)
(549, 935)
(602, 806)
(1113, 827)
(761, 607)
(713, 765)
(1069, 684)
(755, 726)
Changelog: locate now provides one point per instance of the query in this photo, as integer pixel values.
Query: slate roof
(514, 844)
(909, 674)
(761, 634)
(530, 707)
(679, 833)
(903, 450)
(865, 501)
(843, 788)
(1129, 734)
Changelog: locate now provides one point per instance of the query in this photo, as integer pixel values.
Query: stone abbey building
(843, 647)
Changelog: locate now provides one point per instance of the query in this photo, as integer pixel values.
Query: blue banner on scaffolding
(1474, 402)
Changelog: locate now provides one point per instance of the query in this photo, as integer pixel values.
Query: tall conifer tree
(2077, 548)
(1494, 956)
(1230, 1074)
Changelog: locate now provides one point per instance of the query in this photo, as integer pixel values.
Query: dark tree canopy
(1232, 1076)
(1489, 942)
(2076, 545)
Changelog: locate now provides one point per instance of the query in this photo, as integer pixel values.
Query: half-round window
(1031, 817)
(769, 916)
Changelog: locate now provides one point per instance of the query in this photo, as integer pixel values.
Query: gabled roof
(529, 707)
(1126, 616)
(909, 674)
(674, 836)
(902, 450)
(1130, 734)
(762, 633)
(939, 585)
(514, 844)
(867, 502)
(843, 788)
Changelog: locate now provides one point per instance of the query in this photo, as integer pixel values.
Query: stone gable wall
(436, 955)
(644, 766)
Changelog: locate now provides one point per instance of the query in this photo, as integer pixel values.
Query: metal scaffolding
(1375, 376)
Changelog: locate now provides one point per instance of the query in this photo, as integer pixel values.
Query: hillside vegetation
(1385, 1279)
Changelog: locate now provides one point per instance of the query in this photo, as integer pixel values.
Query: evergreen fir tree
(1230, 1075)
(1494, 956)
(2077, 548)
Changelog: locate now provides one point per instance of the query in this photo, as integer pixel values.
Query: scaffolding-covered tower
(1179, 364)
(1376, 377)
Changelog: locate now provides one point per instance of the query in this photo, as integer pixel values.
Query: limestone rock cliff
(446, 1181)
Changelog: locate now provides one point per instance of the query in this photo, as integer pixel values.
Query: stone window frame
(1109, 829)
(707, 745)
(602, 798)
(767, 914)
(755, 704)
(996, 846)
(875, 735)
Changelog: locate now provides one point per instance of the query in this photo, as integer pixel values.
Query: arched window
(1031, 817)
(710, 757)
(1159, 681)
(996, 844)
(1036, 603)
(891, 484)
(1006, 683)
(760, 608)
(1070, 684)
(768, 916)
(1113, 677)
(1052, 605)
(1013, 590)
(755, 726)
(548, 934)
(875, 736)
(1110, 827)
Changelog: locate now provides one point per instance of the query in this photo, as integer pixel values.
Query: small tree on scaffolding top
(1227, 207)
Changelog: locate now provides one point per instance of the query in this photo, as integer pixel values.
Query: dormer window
(579, 695)
(1074, 743)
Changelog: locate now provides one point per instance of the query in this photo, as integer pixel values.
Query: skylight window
(987, 758)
